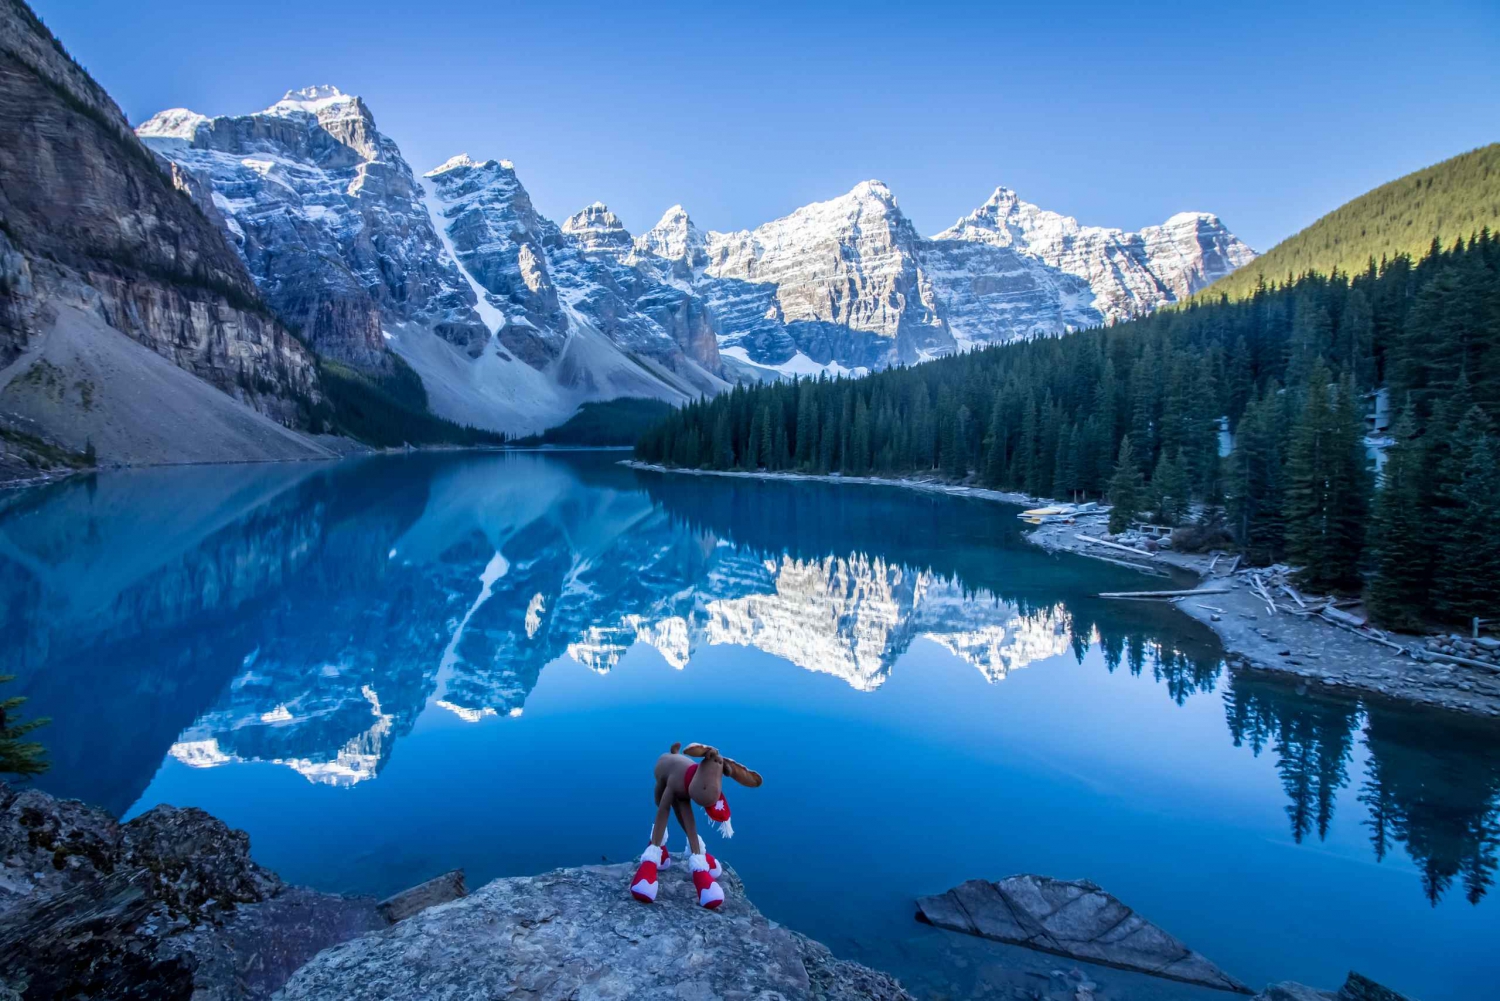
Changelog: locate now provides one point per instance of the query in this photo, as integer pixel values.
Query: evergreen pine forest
(1132, 413)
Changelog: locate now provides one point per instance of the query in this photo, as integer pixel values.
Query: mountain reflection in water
(307, 616)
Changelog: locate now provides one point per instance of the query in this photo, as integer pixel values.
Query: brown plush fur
(706, 787)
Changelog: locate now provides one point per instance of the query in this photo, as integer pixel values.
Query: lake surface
(388, 667)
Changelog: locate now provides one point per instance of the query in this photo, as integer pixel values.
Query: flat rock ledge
(578, 934)
(1073, 918)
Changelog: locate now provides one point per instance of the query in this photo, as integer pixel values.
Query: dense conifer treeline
(1134, 412)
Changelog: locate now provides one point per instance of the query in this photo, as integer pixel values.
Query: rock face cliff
(845, 280)
(126, 321)
(327, 216)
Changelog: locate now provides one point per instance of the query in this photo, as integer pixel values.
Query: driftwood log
(1163, 594)
(1115, 545)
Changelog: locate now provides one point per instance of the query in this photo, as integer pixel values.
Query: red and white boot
(714, 869)
(643, 883)
(710, 893)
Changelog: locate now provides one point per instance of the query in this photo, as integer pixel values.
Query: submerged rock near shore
(577, 933)
(1071, 918)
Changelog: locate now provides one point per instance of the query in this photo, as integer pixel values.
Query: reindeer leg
(659, 828)
(703, 865)
(695, 845)
(643, 883)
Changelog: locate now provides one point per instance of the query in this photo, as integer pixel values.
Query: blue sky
(1119, 113)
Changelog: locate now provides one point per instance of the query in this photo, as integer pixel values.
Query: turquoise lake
(385, 668)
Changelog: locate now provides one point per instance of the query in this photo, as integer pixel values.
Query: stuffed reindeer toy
(681, 782)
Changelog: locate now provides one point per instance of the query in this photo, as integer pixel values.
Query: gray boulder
(1357, 987)
(577, 933)
(1070, 918)
(1290, 990)
(167, 906)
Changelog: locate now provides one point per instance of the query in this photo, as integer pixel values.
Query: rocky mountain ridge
(1131, 274)
(512, 320)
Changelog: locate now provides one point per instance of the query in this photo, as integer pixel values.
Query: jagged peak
(597, 227)
(1005, 219)
(674, 220)
(674, 236)
(452, 163)
(465, 160)
(311, 100)
(873, 188)
(1006, 209)
(1003, 196)
(174, 123)
(594, 214)
(1193, 219)
(317, 92)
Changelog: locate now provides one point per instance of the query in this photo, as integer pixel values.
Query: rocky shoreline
(170, 906)
(1254, 638)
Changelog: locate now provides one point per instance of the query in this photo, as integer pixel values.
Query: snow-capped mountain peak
(174, 123)
(452, 163)
(674, 237)
(598, 229)
(1131, 273)
(313, 100)
(874, 189)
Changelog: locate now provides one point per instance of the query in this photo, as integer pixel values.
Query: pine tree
(1325, 486)
(1469, 583)
(723, 450)
(18, 756)
(1357, 334)
(1065, 467)
(767, 448)
(1399, 591)
(1026, 468)
(1169, 489)
(994, 461)
(751, 459)
(1126, 489)
(1256, 480)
